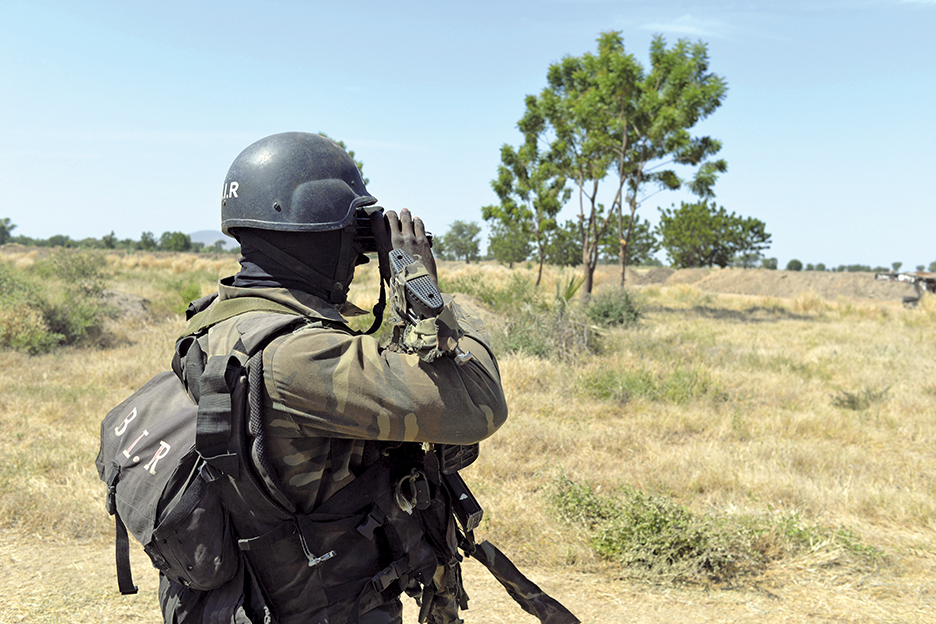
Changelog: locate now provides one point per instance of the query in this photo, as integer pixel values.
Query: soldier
(345, 422)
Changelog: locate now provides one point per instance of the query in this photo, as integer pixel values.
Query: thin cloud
(688, 25)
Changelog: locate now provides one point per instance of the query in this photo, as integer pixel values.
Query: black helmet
(292, 182)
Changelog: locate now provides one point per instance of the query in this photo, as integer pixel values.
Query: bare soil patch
(44, 581)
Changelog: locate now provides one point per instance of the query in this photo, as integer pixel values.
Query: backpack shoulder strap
(215, 438)
(223, 310)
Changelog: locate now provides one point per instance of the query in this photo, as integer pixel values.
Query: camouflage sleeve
(326, 382)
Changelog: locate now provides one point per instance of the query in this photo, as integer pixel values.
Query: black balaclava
(320, 251)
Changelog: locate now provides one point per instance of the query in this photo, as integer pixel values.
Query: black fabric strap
(213, 433)
(190, 498)
(124, 576)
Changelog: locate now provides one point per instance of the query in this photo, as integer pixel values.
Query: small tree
(896, 266)
(700, 235)
(769, 263)
(6, 229)
(642, 246)
(508, 244)
(565, 247)
(605, 113)
(530, 188)
(794, 265)
(461, 240)
(175, 241)
(147, 242)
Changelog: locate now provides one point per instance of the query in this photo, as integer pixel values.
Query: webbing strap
(124, 576)
(223, 310)
(213, 433)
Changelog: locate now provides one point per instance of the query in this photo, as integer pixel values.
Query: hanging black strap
(124, 576)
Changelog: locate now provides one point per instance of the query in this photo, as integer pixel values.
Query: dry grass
(723, 403)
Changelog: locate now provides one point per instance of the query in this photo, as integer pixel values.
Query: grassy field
(724, 458)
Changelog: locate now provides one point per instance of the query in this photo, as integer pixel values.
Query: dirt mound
(790, 284)
(126, 305)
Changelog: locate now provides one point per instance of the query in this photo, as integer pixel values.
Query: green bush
(57, 301)
(530, 322)
(617, 307)
(859, 401)
(654, 536)
(681, 385)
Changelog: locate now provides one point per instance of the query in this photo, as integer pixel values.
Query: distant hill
(210, 237)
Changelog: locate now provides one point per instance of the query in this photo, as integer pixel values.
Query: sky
(125, 116)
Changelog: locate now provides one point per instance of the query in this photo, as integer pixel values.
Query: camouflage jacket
(329, 391)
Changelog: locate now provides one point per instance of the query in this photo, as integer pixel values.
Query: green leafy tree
(109, 241)
(606, 113)
(148, 242)
(746, 260)
(565, 246)
(461, 241)
(358, 163)
(769, 263)
(6, 229)
(700, 235)
(60, 240)
(643, 243)
(530, 188)
(175, 241)
(896, 266)
(794, 265)
(508, 244)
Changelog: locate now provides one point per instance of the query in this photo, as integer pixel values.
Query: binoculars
(365, 234)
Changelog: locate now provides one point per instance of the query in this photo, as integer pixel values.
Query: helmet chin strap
(379, 307)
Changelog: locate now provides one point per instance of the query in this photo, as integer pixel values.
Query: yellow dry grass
(744, 421)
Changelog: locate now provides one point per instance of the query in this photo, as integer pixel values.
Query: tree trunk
(539, 273)
(622, 251)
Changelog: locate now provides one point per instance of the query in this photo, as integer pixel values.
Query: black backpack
(164, 450)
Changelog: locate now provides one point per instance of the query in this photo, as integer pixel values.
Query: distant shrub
(616, 307)
(859, 401)
(681, 385)
(58, 300)
(654, 536)
(794, 265)
(530, 322)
